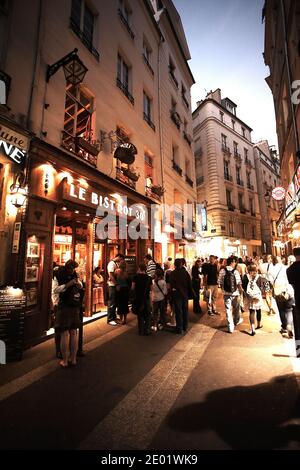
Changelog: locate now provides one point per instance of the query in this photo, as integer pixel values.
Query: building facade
(85, 112)
(226, 179)
(267, 169)
(282, 55)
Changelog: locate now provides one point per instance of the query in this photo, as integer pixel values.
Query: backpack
(230, 284)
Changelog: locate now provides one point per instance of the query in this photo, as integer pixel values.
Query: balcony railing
(84, 39)
(177, 168)
(185, 101)
(174, 80)
(242, 209)
(148, 64)
(199, 180)
(226, 149)
(238, 157)
(87, 149)
(248, 162)
(189, 181)
(231, 207)
(124, 179)
(151, 193)
(227, 177)
(126, 24)
(250, 186)
(125, 90)
(239, 182)
(188, 138)
(198, 153)
(175, 118)
(148, 121)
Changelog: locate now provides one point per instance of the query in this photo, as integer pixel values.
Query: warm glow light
(296, 233)
(65, 174)
(117, 197)
(64, 208)
(83, 182)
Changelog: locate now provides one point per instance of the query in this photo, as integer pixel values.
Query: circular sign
(278, 193)
(126, 152)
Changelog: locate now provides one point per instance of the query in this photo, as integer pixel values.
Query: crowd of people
(159, 294)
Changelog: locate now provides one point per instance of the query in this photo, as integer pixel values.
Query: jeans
(112, 304)
(212, 295)
(144, 318)
(181, 312)
(159, 312)
(232, 308)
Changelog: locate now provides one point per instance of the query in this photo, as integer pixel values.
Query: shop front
(76, 213)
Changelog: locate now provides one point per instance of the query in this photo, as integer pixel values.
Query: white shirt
(57, 289)
(237, 278)
(111, 267)
(159, 294)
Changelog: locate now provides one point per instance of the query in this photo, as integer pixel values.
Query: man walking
(210, 282)
(293, 275)
(181, 286)
(231, 284)
(112, 282)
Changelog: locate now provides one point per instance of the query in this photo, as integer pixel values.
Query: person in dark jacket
(196, 282)
(141, 286)
(67, 321)
(181, 288)
(293, 275)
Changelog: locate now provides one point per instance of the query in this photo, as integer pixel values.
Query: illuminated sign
(278, 193)
(13, 145)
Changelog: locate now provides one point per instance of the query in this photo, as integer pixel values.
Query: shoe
(62, 364)
(229, 331)
(259, 327)
(290, 334)
(154, 328)
(160, 327)
(252, 332)
(59, 355)
(113, 323)
(283, 331)
(239, 322)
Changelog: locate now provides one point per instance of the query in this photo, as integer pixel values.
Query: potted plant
(158, 189)
(130, 173)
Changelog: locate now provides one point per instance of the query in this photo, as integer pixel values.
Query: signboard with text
(13, 145)
(12, 305)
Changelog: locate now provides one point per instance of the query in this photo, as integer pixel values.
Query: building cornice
(215, 119)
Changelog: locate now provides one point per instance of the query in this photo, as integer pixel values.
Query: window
(244, 132)
(231, 228)
(238, 174)
(241, 202)
(4, 87)
(82, 22)
(226, 170)
(172, 69)
(78, 121)
(243, 229)
(233, 123)
(228, 197)
(251, 206)
(253, 232)
(147, 55)
(148, 110)
(235, 148)
(183, 94)
(224, 138)
(221, 116)
(248, 180)
(148, 170)
(125, 14)
(124, 78)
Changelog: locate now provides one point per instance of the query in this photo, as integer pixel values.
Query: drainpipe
(288, 69)
(33, 81)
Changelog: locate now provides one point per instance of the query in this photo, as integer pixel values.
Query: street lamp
(74, 68)
(18, 191)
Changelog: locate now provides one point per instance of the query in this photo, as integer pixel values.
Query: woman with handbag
(159, 297)
(284, 296)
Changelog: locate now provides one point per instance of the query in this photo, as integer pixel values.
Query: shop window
(33, 269)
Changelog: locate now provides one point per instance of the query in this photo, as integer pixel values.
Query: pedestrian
(231, 285)
(159, 295)
(254, 286)
(141, 287)
(196, 283)
(122, 291)
(181, 288)
(150, 265)
(54, 302)
(284, 296)
(293, 275)
(210, 282)
(67, 285)
(112, 282)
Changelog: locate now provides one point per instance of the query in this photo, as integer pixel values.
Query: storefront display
(33, 269)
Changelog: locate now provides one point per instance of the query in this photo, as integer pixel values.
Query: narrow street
(206, 390)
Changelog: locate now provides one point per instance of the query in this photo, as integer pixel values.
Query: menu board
(12, 305)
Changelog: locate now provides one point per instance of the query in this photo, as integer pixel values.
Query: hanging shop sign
(278, 193)
(13, 145)
(92, 198)
(126, 152)
(292, 196)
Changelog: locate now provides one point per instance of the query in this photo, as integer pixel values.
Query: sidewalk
(205, 390)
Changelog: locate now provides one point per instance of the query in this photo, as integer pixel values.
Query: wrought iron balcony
(148, 121)
(250, 186)
(242, 209)
(175, 118)
(155, 192)
(189, 181)
(125, 90)
(198, 153)
(126, 24)
(227, 177)
(148, 64)
(238, 157)
(84, 39)
(231, 207)
(83, 147)
(177, 168)
(124, 179)
(188, 138)
(226, 149)
(239, 182)
(199, 180)
(248, 162)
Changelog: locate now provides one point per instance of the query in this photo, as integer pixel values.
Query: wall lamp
(18, 191)
(74, 68)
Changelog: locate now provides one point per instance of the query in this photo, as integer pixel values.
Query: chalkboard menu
(131, 265)
(12, 305)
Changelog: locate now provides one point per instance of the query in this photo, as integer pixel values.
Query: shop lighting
(18, 191)
(76, 212)
(64, 208)
(74, 68)
(87, 215)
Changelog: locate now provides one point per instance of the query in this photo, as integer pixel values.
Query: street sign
(278, 193)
